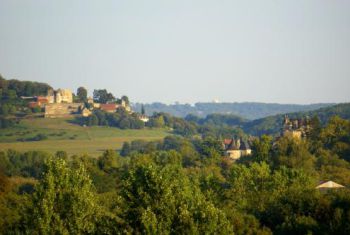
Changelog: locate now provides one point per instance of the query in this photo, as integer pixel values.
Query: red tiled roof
(33, 104)
(227, 141)
(108, 107)
(42, 99)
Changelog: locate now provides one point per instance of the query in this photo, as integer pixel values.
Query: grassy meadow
(62, 134)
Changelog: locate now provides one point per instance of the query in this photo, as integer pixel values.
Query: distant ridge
(248, 110)
(272, 124)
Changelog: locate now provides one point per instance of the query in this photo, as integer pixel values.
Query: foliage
(103, 96)
(261, 148)
(65, 201)
(15, 88)
(271, 125)
(82, 94)
(293, 153)
(162, 200)
(29, 164)
(126, 100)
(249, 110)
(121, 119)
(182, 185)
(6, 123)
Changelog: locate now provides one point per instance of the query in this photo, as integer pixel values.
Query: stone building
(143, 118)
(124, 105)
(60, 104)
(296, 128)
(112, 108)
(236, 148)
(60, 96)
(63, 110)
(109, 108)
(86, 112)
(39, 101)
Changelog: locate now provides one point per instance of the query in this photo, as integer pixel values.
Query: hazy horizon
(286, 52)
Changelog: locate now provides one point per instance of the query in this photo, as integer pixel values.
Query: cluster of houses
(59, 103)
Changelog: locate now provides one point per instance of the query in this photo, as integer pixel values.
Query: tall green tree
(336, 137)
(125, 99)
(103, 96)
(143, 112)
(162, 200)
(82, 94)
(109, 161)
(65, 202)
(261, 148)
(156, 121)
(293, 153)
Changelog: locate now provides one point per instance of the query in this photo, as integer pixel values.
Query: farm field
(62, 134)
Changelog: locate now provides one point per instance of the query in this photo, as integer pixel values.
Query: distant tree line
(210, 127)
(10, 101)
(271, 125)
(103, 96)
(120, 119)
(248, 110)
(11, 89)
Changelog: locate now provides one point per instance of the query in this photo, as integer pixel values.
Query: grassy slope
(72, 138)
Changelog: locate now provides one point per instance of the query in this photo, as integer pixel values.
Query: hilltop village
(60, 103)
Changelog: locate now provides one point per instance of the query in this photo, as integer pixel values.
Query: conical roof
(329, 184)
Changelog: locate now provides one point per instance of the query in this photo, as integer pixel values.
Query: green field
(72, 138)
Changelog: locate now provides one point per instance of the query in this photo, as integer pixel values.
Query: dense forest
(182, 186)
(247, 110)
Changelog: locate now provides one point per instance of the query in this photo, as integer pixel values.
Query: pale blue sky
(293, 51)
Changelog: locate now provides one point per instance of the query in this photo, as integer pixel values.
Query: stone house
(144, 118)
(236, 148)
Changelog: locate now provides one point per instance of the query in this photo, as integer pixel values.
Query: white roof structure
(329, 185)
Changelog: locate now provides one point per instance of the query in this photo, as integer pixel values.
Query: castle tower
(286, 120)
(51, 96)
(58, 98)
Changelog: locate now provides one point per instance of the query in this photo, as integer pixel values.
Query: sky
(188, 51)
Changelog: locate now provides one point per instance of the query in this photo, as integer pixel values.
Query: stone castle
(296, 128)
(62, 110)
(60, 96)
(60, 104)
